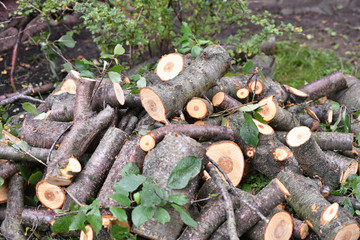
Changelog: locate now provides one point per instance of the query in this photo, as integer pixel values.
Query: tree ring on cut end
(298, 136)
(169, 66)
(153, 104)
(51, 196)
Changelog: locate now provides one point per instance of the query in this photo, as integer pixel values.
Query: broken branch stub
(165, 100)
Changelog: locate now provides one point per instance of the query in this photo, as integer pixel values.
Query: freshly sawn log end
(280, 227)
(51, 196)
(67, 173)
(169, 66)
(281, 154)
(153, 104)
(298, 136)
(147, 142)
(242, 93)
(329, 213)
(4, 193)
(256, 87)
(230, 158)
(198, 108)
(218, 98)
(348, 232)
(268, 108)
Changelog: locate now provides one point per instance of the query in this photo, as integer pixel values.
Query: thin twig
(236, 193)
(28, 153)
(62, 57)
(13, 58)
(74, 198)
(54, 144)
(230, 215)
(102, 78)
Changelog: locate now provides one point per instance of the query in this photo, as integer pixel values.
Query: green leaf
(186, 29)
(87, 74)
(137, 198)
(130, 168)
(184, 171)
(258, 117)
(195, 51)
(120, 233)
(249, 131)
(357, 212)
(202, 42)
(161, 215)
(24, 172)
(185, 216)
(121, 199)
(116, 68)
(67, 67)
(246, 187)
(262, 76)
(95, 222)
(41, 116)
(119, 50)
(152, 195)
(224, 122)
(35, 177)
(29, 107)
(249, 107)
(1, 182)
(131, 182)
(62, 225)
(119, 213)
(184, 50)
(248, 66)
(141, 82)
(106, 55)
(21, 146)
(179, 199)
(334, 105)
(141, 214)
(115, 77)
(68, 41)
(348, 205)
(78, 222)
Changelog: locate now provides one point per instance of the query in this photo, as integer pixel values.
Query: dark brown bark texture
(130, 152)
(42, 134)
(7, 152)
(88, 182)
(158, 164)
(268, 198)
(11, 226)
(7, 169)
(325, 86)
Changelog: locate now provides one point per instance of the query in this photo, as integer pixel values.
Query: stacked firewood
(91, 132)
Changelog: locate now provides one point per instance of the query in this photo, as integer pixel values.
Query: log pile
(90, 135)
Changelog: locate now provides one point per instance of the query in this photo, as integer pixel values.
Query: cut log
(169, 66)
(301, 229)
(88, 182)
(295, 95)
(313, 160)
(326, 140)
(165, 100)
(277, 117)
(11, 226)
(325, 86)
(165, 156)
(51, 196)
(329, 221)
(75, 143)
(268, 88)
(272, 156)
(199, 108)
(130, 152)
(148, 141)
(8, 152)
(89, 235)
(223, 101)
(243, 94)
(350, 165)
(349, 96)
(278, 227)
(230, 158)
(8, 169)
(267, 199)
(228, 85)
(42, 134)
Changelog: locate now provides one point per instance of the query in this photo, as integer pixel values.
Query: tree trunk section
(165, 100)
(11, 226)
(92, 177)
(165, 156)
(329, 221)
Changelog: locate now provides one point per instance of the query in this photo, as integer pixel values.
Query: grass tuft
(298, 64)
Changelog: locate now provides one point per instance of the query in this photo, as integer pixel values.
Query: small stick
(13, 59)
(54, 144)
(231, 224)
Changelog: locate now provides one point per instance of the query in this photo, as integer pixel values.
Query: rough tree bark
(165, 100)
(165, 156)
